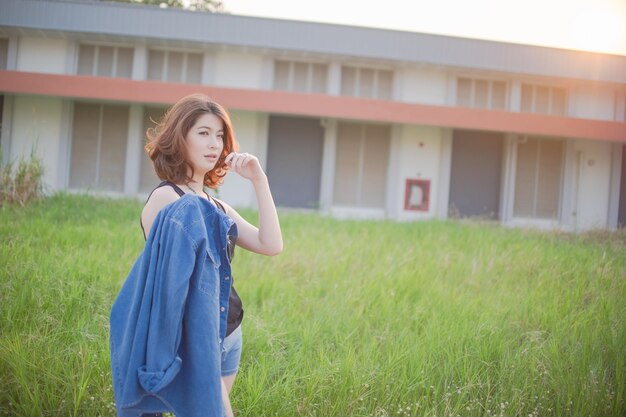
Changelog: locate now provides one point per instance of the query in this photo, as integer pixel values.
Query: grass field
(354, 318)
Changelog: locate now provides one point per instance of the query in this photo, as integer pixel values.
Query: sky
(590, 25)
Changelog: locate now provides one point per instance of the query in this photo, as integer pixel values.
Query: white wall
(37, 122)
(417, 154)
(424, 86)
(42, 55)
(594, 103)
(594, 178)
(238, 70)
(251, 133)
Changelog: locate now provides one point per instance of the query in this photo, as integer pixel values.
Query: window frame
(490, 89)
(291, 74)
(360, 187)
(94, 65)
(96, 186)
(164, 71)
(534, 220)
(551, 87)
(357, 80)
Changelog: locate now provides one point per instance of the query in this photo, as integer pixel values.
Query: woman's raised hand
(246, 165)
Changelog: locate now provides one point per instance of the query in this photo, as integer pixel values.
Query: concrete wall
(592, 102)
(418, 85)
(593, 184)
(37, 123)
(251, 133)
(42, 55)
(417, 154)
(239, 70)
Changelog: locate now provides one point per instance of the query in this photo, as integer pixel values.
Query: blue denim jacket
(169, 318)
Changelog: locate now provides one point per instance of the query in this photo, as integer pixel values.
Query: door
(475, 174)
(294, 160)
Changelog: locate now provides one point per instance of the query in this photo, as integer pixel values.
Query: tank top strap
(180, 193)
(217, 203)
(174, 186)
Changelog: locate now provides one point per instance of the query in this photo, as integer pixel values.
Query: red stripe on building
(315, 105)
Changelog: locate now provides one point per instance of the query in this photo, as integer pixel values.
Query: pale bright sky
(593, 25)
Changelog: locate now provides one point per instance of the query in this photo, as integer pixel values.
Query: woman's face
(205, 142)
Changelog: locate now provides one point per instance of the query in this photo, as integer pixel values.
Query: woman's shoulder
(159, 198)
(162, 196)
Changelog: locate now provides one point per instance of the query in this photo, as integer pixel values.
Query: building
(352, 121)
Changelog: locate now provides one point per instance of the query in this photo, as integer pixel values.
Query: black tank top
(235, 307)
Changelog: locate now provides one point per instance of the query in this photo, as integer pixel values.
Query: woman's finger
(241, 160)
(236, 160)
(233, 162)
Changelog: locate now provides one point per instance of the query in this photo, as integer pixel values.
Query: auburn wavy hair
(166, 141)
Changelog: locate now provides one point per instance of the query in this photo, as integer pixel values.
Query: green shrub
(21, 183)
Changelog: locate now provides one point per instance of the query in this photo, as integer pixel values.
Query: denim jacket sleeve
(175, 253)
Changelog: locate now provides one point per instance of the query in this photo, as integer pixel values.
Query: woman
(192, 148)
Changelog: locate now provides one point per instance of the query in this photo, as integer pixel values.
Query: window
(482, 94)
(538, 178)
(300, 76)
(366, 83)
(361, 167)
(4, 53)
(99, 137)
(105, 61)
(175, 67)
(544, 99)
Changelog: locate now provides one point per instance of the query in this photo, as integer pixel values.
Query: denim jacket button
(222, 309)
(226, 277)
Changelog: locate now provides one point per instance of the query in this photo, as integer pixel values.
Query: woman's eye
(220, 137)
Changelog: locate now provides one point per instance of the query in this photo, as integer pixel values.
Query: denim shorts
(231, 352)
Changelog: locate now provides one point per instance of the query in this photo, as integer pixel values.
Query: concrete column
(267, 74)
(616, 178)
(71, 59)
(572, 109)
(262, 142)
(12, 53)
(397, 85)
(569, 192)
(451, 90)
(515, 96)
(620, 107)
(507, 187)
(63, 172)
(328, 164)
(334, 79)
(132, 171)
(394, 185)
(208, 68)
(7, 124)
(140, 62)
(445, 168)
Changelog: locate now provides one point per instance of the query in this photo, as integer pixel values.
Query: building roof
(149, 23)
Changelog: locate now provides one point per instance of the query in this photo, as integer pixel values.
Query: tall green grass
(354, 318)
(21, 181)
